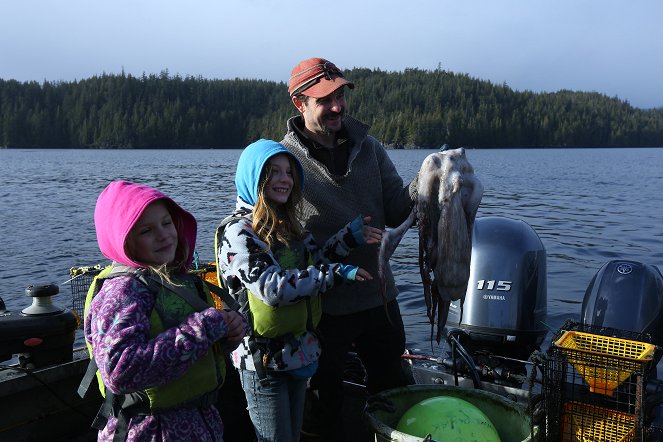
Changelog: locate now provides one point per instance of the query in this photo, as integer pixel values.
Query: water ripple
(588, 207)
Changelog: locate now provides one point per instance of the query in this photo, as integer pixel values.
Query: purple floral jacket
(117, 326)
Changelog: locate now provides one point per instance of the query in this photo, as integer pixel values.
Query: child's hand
(237, 328)
(362, 275)
(353, 273)
(372, 235)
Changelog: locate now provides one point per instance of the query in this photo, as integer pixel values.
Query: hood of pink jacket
(118, 208)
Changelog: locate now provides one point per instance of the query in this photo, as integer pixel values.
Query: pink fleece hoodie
(118, 208)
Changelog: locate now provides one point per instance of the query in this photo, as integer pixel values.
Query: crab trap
(80, 280)
(594, 384)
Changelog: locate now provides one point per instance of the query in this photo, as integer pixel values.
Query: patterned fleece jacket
(372, 187)
(246, 262)
(117, 325)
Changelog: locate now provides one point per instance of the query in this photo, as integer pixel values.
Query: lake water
(589, 206)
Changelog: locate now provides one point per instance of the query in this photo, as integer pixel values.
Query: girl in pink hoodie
(155, 345)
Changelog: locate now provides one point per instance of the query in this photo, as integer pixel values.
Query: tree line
(411, 108)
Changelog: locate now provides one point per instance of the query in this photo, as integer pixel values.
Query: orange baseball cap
(317, 78)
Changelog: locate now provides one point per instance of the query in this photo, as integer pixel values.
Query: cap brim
(325, 87)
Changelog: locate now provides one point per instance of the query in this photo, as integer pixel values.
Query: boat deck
(43, 404)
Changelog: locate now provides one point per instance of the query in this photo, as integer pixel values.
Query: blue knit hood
(251, 163)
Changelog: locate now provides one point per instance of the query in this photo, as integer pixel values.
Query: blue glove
(347, 271)
(357, 229)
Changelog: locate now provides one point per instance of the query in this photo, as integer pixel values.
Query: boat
(493, 344)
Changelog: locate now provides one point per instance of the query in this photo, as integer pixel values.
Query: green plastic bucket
(385, 409)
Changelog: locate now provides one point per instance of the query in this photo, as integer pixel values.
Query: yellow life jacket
(172, 306)
(276, 321)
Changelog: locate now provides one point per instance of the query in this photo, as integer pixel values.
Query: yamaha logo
(624, 269)
(490, 286)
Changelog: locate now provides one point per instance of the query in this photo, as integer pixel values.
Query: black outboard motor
(506, 300)
(41, 334)
(626, 295)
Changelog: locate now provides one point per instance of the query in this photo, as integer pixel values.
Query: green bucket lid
(448, 418)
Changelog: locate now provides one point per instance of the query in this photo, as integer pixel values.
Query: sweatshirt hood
(250, 165)
(118, 208)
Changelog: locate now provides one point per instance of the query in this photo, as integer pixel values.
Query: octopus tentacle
(390, 241)
(424, 269)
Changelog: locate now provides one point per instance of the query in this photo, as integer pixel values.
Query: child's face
(153, 239)
(280, 182)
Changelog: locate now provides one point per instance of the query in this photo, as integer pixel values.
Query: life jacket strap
(154, 284)
(258, 362)
(224, 294)
(89, 375)
(106, 409)
(124, 407)
(127, 406)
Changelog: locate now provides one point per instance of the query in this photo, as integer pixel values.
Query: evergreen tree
(413, 108)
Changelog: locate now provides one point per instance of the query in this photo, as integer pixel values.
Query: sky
(606, 46)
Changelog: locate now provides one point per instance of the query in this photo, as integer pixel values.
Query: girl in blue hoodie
(277, 272)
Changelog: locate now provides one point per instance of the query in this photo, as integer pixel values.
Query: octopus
(448, 199)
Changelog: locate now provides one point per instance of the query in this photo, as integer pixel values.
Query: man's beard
(325, 129)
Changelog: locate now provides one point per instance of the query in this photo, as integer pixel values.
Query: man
(348, 173)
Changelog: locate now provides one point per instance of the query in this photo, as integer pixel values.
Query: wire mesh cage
(604, 362)
(80, 280)
(594, 384)
(585, 422)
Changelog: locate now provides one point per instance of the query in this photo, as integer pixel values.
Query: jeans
(379, 340)
(277, 408)
(233, 408)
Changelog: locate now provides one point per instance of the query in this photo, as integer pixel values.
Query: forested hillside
(413, 108)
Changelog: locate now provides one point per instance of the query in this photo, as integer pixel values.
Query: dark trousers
(378, 337)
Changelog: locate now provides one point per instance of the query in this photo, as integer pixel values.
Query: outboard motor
(41, 334)
(506, 300)
(626, 295)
